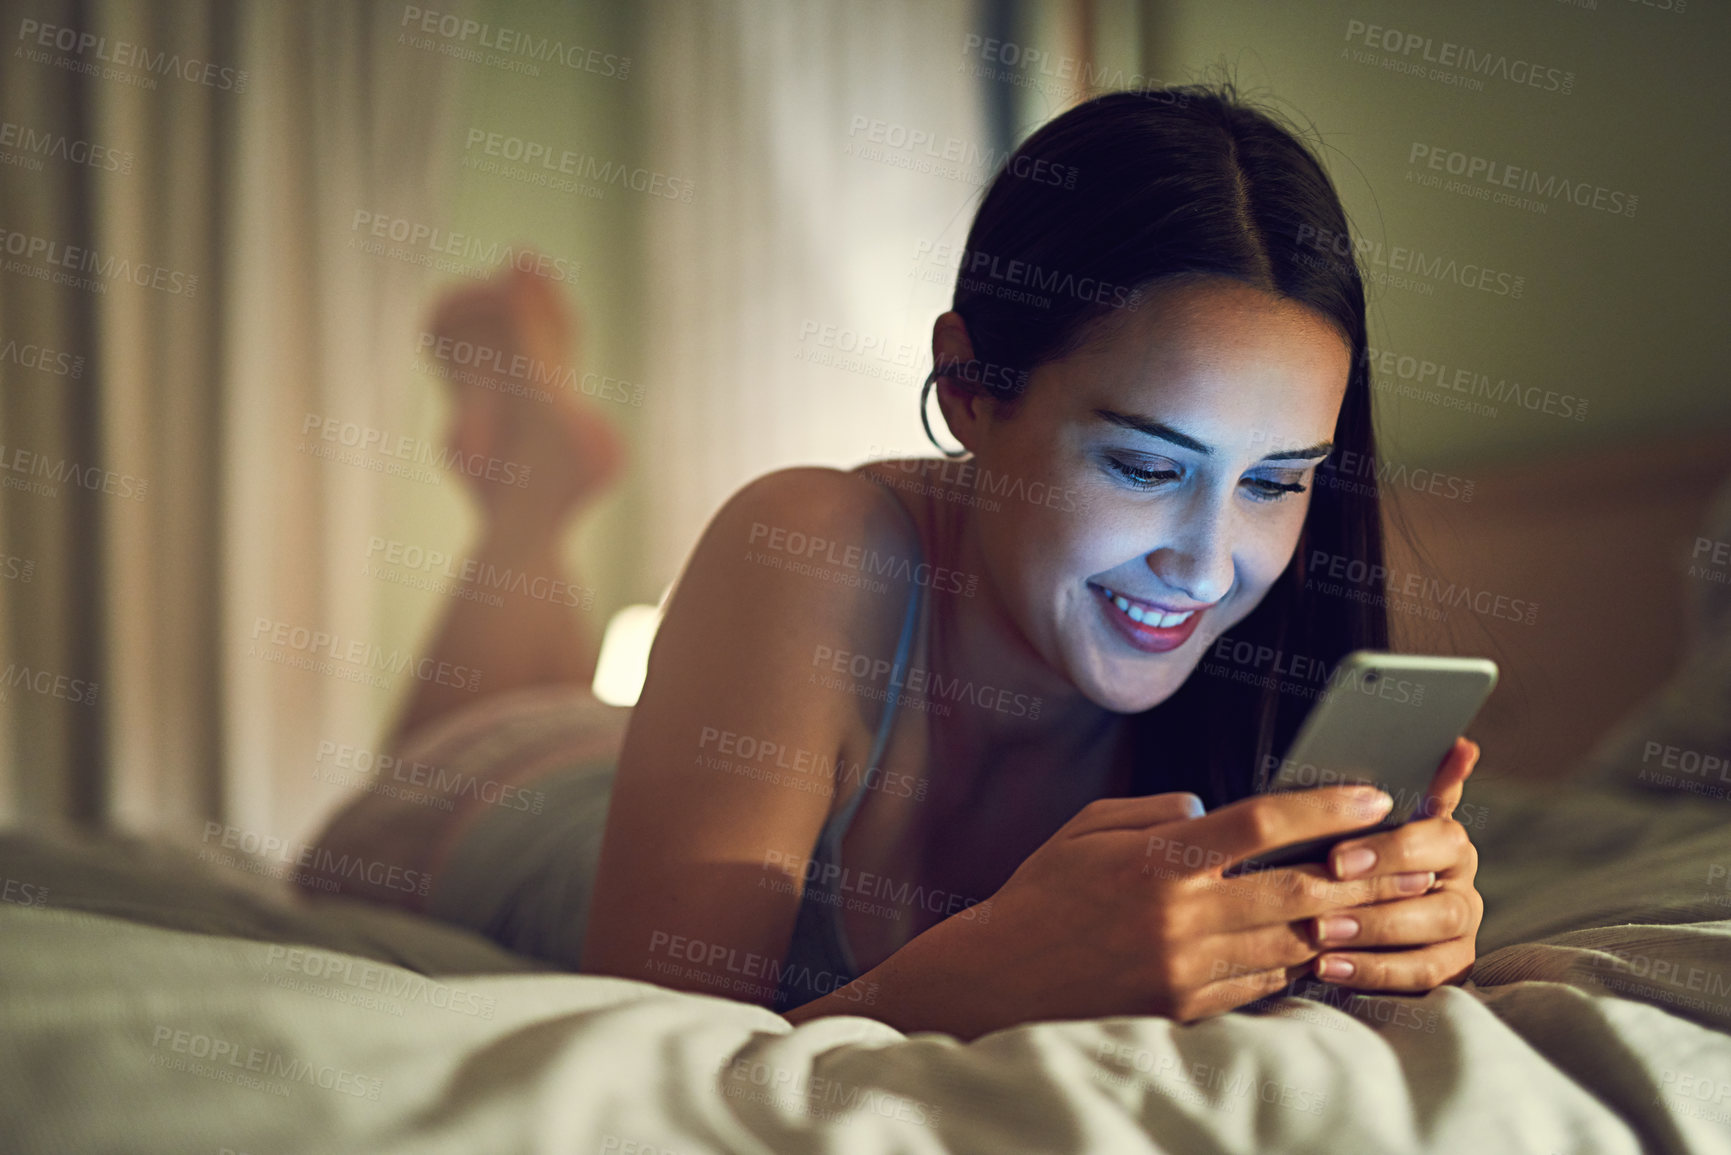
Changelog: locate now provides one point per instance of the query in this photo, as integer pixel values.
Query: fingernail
(1415, 883)
(1354, 862)
(1334, 967)
(1197, 810)
(1337, 928)
(1370, 801)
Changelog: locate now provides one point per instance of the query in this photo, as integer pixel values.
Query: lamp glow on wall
(624, 660)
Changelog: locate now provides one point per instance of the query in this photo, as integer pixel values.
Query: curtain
(244, 137)
(791, 308)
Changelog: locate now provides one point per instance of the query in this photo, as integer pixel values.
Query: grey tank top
(819, 958)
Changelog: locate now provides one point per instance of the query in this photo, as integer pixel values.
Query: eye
(1266, 490)
(1139, 477)
(1143, 477)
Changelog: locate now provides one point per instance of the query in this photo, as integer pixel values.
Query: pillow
(1679, 738)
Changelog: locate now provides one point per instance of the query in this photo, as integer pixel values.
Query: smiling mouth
(1147, 613)
(1147, 627)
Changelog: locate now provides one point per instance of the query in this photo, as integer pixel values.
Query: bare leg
(538, 636)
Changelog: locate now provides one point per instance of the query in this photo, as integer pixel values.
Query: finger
(1137, 813)
(1217, 998)
(1418, 970)
(1292, 894)
(1435, 917)
(1438, 844)
(1265, 822)
(1252, 951)
(1450, 779)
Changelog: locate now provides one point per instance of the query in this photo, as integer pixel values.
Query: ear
(964, 406)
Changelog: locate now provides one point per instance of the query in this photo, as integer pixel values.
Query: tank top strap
(820, 956)
(881, 739)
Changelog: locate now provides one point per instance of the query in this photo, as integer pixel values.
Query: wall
(1621, 311)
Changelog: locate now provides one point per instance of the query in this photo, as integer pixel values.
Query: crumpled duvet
(149, 1003)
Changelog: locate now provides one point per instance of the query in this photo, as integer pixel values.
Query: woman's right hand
(1125, 910)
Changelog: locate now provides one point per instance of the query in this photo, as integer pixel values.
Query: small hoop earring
(925, 420)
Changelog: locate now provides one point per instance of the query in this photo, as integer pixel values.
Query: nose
(1195, 563)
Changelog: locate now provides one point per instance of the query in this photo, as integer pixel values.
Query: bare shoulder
(729, 766)
(789, 509)
(790, 568)
(812, 540)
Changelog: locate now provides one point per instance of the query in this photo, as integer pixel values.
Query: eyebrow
(1177, 437)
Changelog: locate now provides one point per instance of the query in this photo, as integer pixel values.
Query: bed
(154, 1002)
(173, 998)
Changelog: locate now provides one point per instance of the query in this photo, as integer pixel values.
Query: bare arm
(699, 882)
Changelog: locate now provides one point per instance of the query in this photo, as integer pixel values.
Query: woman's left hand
(1439, 926)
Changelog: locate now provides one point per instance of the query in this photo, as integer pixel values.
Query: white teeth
(1152, 618)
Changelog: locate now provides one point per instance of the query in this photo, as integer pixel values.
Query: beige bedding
(207, 1010)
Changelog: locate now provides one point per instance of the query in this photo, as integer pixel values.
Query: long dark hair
(1135, 189)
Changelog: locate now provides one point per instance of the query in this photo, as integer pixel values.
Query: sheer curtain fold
(796, 236)
(50, 527)
(244, 188)
(351, 124)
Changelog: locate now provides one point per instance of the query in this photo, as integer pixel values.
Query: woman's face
(1182, 441)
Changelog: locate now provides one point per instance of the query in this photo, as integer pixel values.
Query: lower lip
(1147, 638)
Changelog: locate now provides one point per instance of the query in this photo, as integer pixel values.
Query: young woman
(930, 741)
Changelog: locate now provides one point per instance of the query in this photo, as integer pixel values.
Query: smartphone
(1384, 719)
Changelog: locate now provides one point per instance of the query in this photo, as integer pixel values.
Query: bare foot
(531, 463)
